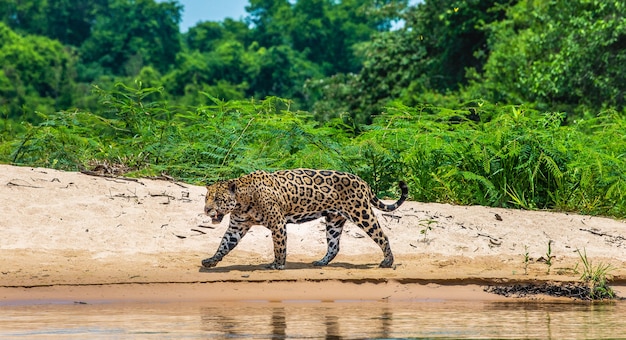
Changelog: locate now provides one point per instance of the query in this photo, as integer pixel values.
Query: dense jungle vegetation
(502, 103)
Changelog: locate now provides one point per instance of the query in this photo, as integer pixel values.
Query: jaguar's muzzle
(217, 218)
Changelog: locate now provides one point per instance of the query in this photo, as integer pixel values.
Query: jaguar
(296, 196)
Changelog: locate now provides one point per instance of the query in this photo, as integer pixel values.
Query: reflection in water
(278, 322)
(318, 320)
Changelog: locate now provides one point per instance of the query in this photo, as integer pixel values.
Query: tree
(36, 74)
(453, 34)
(223, 72)
(69, 21)
(559, 54)
(26, 17)
(281, 72)
(354, 22)
(389, 68)
(207, 35)
(268, 17)
(130, 34)
(204, 36)
(439, 42)
(327, 31)
(311, 30)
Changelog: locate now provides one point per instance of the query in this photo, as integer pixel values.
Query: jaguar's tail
(378, 204)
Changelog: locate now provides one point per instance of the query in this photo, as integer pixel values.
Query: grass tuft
(596, 278)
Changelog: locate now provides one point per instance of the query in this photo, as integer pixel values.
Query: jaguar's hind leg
(369, 223)
(334, 227)
(279, 238)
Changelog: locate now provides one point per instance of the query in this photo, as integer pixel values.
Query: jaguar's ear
(232, 186)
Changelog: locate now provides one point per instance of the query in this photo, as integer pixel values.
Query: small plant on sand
(526, 260)
(596, 277)
(426, 224)
(549, 256)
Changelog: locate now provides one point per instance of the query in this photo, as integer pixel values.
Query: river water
(316, 320)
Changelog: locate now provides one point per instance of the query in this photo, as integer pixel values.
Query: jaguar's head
(220, 200)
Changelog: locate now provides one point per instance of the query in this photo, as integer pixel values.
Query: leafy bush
(480, 153)
(515, 157)
(208, 142)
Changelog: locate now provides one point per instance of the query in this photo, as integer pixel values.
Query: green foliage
(517, 157)
(561, 54)
(334, 58)
(451, 32)
(130, 34)
(325, 32)
(34, 75)
(24, 16)
(438, 43)
(596, 149)
(204, 143)
(115, 80)
(69, 21)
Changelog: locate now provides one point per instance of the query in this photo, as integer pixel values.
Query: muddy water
(316, 320)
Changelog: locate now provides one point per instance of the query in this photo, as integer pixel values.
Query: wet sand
(281, 291)
(269, 291)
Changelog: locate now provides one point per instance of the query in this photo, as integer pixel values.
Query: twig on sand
(13, 184)
(392, 216)
(612, 238)
(206, 226)
(163, 195)
(169, 179)
(110, 177)
(600, 233)
(493, 240)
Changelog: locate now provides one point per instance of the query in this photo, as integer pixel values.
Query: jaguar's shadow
(288, 266)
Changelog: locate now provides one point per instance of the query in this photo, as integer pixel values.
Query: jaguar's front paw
(275, 265)
(210, 262)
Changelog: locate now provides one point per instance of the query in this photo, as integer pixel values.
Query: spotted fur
(296, 196)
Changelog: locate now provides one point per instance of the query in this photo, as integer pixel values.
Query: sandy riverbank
(64, 232)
